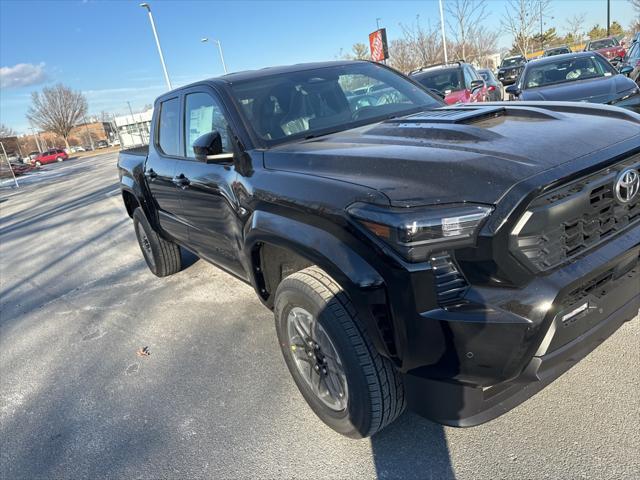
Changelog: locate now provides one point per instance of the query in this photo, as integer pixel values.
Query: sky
(106, 48)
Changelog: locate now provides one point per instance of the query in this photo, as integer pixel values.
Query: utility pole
(608, 17)
(155, 35)
(541, 27)
(9, 163)
(444, 39)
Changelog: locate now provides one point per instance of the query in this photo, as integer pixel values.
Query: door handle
(181, 181)
(151, 174)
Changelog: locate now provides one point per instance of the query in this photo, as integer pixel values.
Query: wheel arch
(133, 198)
(279, 246)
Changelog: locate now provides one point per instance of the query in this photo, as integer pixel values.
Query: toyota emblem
(627, 185)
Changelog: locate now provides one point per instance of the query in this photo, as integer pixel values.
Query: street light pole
(155, 35)
(608, 17)
(205, 40)
(444, 40)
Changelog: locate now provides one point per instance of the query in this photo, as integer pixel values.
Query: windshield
(581, 68)
(606, 43)
(556, 51)
(511, 62)
(443, 80)
(307, 103)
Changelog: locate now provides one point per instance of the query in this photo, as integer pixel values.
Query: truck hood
(452, 154)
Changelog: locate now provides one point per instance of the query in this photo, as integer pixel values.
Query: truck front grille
(572, 219)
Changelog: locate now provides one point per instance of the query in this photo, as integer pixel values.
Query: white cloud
(22, 75)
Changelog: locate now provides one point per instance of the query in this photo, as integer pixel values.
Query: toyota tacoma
(452, 260)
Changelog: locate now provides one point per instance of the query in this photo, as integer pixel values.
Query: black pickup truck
(452, 259)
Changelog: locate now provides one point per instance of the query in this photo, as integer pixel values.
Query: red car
(50, 156)
(609, 48)
(456, 82)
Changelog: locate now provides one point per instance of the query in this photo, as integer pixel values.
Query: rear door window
(169, 127)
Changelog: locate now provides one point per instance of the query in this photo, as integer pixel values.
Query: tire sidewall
(355, 420)
(140, 221)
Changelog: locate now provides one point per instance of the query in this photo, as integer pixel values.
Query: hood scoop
(456, 124)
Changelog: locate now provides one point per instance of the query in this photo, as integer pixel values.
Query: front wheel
(347, 383)
(59, 159)
(38, 164)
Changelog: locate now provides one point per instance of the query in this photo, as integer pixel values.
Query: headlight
(415, 232)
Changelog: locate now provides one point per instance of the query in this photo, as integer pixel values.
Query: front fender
(364, 285)
(314, 244)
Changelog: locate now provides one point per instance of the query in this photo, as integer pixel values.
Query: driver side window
(203, 114)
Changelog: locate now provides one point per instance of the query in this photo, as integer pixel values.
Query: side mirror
(476, 84)
(626, 70)
(437, 93)
(208, 148)
(512, 90)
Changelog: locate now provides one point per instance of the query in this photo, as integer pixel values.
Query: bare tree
(359, 51)
(522, 19)
(57, 110)
(467, 17)
(574, 27)
(635, 23)
(425, 43)
(6, 131)
(483, 43)
(401, 56)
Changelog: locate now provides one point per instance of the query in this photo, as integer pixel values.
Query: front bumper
(508, 79)
(464, 406)
(470, 363)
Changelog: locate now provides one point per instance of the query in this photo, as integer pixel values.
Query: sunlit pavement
(214, 399)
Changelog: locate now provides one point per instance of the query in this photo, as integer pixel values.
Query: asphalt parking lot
(214, 398)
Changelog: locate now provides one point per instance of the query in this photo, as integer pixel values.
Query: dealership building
(133, 130)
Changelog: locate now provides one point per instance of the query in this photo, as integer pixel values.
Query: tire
(59, 159)
(38, 164)
(374, 390)
(162, 256)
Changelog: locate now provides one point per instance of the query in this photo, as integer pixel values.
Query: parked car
(456, 82)
(636, 38)
(550, 52)
(510, 69)
(102, 144)
(50, 156)
(17, 167)
(630, 65)
(610, 48)
(114, 143)
(77, 148)
(453, 259)
(576, 77)
(494, 87)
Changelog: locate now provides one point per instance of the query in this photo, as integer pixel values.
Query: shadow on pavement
(412, 447)
(188, 258)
